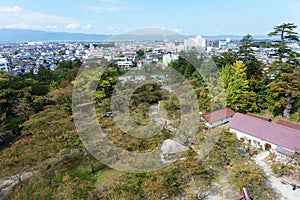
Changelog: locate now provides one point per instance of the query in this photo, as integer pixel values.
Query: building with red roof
(289, 124)
(258, 116)
(261, 133)
(218, 117)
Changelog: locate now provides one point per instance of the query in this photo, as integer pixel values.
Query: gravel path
(285, 191)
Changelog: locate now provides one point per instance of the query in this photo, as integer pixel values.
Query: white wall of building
(167, 58)
(217, 123)
(4, 65)
(254, 140)
(197, 42)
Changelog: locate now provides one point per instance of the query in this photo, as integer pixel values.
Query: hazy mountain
(22, 35)
(150, 34)
(235, 37)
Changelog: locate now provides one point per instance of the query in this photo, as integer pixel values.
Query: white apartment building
(198, 42)
(4, 65)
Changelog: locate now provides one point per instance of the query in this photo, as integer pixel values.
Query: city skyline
(116, 16)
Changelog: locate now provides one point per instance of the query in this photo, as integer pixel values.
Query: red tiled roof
(267, 131)
(289, 124)
(257, 116)
(218, 115)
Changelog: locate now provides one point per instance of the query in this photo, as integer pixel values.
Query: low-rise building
(289, 124)
(218, 117)
(273, 137)
(4, 65)
(167, 58)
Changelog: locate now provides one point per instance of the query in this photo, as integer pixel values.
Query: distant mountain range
(23, 35)
(236, 37)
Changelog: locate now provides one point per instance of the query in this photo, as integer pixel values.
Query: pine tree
(286, 35)
(247, 55)
(284, 87)
(228, 57)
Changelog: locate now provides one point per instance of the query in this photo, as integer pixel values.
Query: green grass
(295, 117)
(84, 171)
(262, 113)
(106, 175)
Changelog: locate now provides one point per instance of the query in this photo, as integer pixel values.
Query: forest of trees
(251, 85)
(38, 135)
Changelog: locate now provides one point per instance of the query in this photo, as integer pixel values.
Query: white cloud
(73, 25)
(10, 9)
(178, 30)
(51, 27)
(17, 26)
(89, 26)
(17, 17)
(113, 29)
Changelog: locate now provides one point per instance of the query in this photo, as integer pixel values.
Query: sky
(202, 17)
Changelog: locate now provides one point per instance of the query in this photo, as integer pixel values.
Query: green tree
(247, 55)
(285, 90)
(15, 99)
(187, 63)
(286, 34)
(238, 94)
(107, 84)
(284, 73)
(227, 58)
(140, 53)
(201, 90)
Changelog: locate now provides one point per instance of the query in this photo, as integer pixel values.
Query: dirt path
(285, 191)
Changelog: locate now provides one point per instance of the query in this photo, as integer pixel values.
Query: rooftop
(267, 131)
(289, 124)
(217, 115)
(258, 116)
